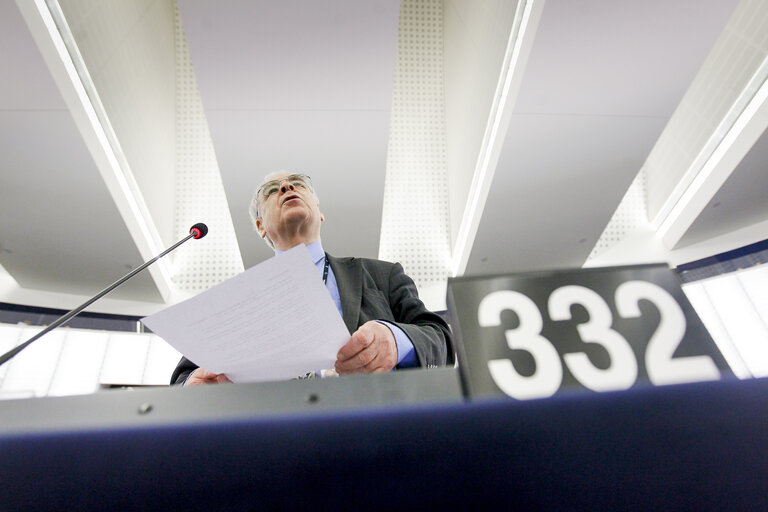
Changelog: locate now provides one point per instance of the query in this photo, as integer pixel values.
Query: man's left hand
(371, 349)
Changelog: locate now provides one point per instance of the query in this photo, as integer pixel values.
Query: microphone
(197, 231)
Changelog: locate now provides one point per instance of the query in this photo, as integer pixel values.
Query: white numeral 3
(622, 371)
(548, 375)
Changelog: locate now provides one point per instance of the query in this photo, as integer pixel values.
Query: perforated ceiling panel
(199, 191)
(630, 215)
(415, 229)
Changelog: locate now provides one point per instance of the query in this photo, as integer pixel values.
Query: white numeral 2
(662, 367)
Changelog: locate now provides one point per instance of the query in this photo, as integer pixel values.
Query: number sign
(534, 335)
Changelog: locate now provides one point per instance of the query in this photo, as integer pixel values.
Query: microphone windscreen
(199, 230)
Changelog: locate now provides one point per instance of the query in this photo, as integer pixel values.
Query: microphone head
(199, 230)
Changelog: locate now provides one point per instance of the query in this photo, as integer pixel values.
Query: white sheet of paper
(275, 321)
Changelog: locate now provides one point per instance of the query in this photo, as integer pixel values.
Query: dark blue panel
(743, 257)
(33, 315)
(690, 447)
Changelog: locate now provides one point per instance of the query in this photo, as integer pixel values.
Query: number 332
(662, 368)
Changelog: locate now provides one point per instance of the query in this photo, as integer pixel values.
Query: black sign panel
(537, 334)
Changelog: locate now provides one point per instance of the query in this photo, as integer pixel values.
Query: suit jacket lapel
(349, 278)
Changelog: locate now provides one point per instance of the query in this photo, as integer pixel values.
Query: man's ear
(260, 228)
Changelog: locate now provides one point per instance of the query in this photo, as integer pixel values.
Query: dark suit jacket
(379, 290)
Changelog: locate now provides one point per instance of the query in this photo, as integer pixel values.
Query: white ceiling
(308, 85)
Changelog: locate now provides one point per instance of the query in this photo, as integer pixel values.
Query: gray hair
(253, 208)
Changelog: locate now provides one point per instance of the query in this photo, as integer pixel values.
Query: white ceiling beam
(737, 133)
(519, 46)
(46, 24)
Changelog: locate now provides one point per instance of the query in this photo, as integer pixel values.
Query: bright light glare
(738, 315)
(71, 361)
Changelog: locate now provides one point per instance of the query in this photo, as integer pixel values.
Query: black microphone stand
(197, 231)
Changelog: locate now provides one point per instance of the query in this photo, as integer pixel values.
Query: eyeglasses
(272, 187)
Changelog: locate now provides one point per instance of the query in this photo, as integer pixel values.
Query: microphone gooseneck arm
(197, 231)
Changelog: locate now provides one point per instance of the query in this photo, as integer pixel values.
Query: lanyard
(325, 270)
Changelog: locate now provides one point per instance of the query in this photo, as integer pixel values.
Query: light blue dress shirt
(406, 355)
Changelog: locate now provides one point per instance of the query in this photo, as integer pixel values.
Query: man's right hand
(203, 376)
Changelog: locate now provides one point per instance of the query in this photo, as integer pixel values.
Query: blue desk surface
(691, 447)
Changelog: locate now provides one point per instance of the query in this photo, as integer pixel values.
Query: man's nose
(286, 186)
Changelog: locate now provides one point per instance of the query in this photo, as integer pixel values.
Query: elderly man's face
(287, 206)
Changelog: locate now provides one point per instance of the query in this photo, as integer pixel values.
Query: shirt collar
(315, 250)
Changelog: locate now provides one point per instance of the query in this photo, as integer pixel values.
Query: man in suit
(390, 326)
